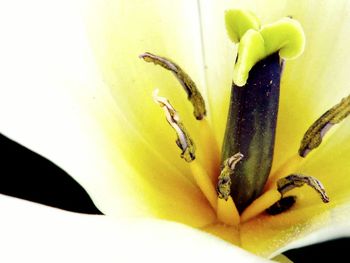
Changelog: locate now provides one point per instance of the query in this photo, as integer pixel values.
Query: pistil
(251, 127)
(253, 110)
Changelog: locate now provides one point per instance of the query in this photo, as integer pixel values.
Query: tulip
(75, 91)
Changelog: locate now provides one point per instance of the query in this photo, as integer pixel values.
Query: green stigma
(238, 22)
(256, 42)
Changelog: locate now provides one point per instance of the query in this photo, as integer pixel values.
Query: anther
(183, 141)
(288, 183)
(193, 94)
(314, 135)
(224, 184)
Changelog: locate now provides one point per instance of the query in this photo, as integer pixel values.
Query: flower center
(248, 146)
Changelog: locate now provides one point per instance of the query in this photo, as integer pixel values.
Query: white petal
(339, 227)
(36, 233)
(55, 101)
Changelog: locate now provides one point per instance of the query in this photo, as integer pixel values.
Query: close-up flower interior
(220, 125)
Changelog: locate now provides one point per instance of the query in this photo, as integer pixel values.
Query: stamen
(210, 160)
(193, 94)
(204, 183)
(288, 183)
(224, 183)
(227, 212)
(184, 140)
(314, 135)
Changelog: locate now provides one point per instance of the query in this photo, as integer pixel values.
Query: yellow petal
(36, 233)
(56, 102)
(330, 164)
(270, 235)
(318, 79)
(282, 259)
(309, 220)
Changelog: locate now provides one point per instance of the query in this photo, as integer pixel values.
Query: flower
(81, 80)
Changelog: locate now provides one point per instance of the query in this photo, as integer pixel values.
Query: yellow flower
(75, 91)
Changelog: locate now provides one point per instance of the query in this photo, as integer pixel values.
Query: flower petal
(309, 220)
(330, 164)
(338, 228)
(55, 101)
(171, 30)
(121, 31)
(268, 236)
(35, 233)
(219, 56)
(319, 78)
(282, 259)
